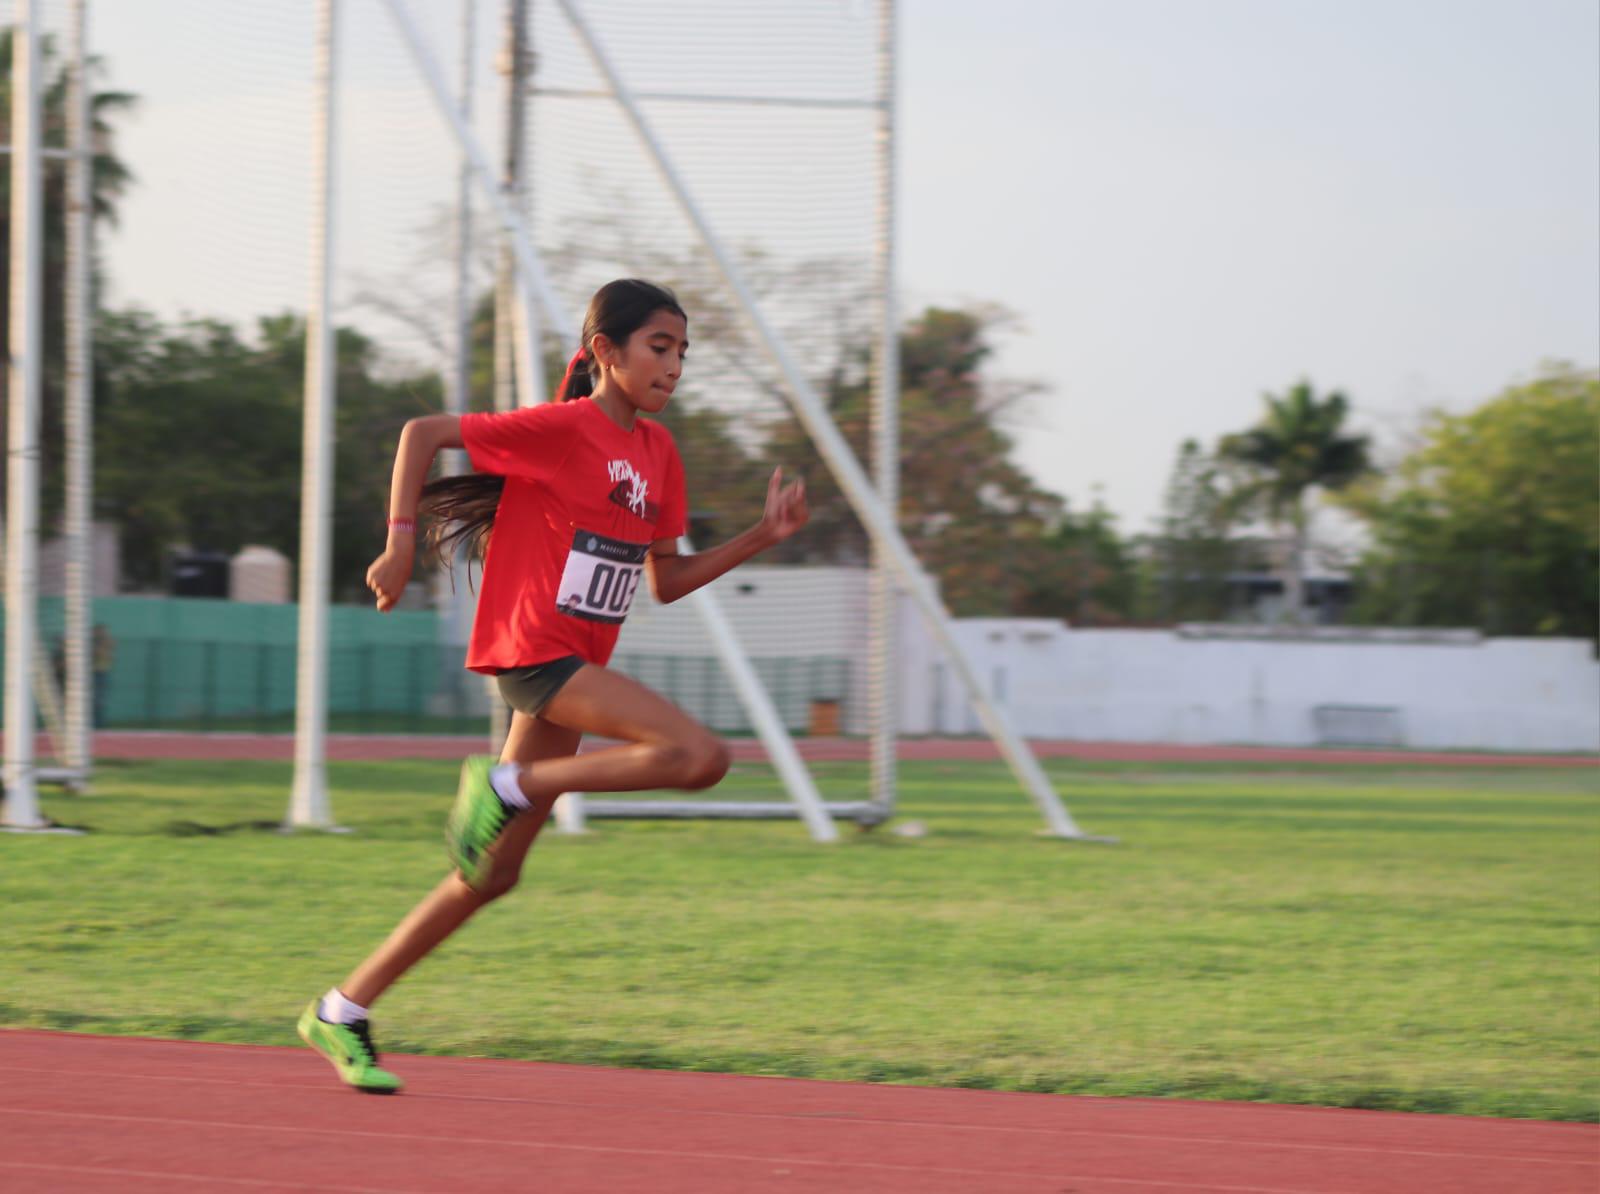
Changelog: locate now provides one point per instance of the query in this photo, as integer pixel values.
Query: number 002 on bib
(600, 578)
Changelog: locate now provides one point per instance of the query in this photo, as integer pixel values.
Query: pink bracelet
(408, 525)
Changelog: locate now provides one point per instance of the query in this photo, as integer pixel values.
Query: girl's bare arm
(420, 441)
(673, 575)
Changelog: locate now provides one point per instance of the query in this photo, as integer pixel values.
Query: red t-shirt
(583, 501)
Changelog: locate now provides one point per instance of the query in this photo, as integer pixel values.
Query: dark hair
(460, 510)
(617, 310)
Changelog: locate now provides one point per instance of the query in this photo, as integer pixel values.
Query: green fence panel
(195, 663)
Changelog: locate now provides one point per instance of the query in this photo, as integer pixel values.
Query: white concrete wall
(776, 610)
(812, 618)
(105, 562)
(1457, 692)
(1159, 686)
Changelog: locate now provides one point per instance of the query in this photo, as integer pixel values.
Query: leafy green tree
(200, 440)
(1081, 570)
(727, 482)
(1298, 446)
(1494, 521)
(1188, 562)
(196, 441)
(976, 521)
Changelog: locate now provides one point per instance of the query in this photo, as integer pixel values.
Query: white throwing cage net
(770, 116)
(257, 225)
(45, 129)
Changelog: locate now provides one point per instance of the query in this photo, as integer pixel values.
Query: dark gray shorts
(529, 689)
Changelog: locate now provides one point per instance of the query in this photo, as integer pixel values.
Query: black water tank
(199, 574)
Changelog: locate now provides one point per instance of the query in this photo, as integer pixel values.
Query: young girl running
(573, 503)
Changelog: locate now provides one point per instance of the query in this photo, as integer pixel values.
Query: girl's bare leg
(669, 748)
(452, 903)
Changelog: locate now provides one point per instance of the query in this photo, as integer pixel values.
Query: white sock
(336, 1009)
(503, 779)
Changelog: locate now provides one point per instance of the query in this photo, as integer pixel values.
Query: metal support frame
(882, 594)
(309, 805)
(69, 736)
(77, 749)
(453, 587)
(836, 453)
(457, 392)
(516, 307)
(25, 378)
(534, 284)
(516, 367)
(505, 300)
(863, 811)
(691, 97)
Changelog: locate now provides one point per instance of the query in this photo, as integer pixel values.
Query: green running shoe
(476, 819)
(349, 1048)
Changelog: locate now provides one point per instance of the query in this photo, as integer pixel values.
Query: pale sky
(1186, 203)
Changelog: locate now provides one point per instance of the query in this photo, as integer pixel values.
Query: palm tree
(110, 178)
(1297, 446)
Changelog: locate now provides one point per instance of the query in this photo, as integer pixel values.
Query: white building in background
(1255, 685)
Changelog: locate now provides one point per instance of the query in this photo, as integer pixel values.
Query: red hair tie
(580, 357)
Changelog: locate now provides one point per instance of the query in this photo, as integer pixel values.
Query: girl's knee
(501, 881)
(707, 762)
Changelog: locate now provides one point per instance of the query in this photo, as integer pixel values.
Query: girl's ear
(605, 352)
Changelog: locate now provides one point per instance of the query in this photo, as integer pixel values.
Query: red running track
(163, 745)
(88, 1113)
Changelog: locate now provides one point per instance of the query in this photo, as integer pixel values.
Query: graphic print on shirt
(600, 578)
(631, 491)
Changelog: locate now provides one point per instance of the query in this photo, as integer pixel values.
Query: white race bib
(600, 578)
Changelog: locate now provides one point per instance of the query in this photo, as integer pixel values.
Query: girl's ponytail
(579, 381)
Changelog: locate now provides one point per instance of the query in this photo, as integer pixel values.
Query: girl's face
(645, 369)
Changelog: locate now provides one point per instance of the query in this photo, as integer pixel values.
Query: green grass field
(1350, 936)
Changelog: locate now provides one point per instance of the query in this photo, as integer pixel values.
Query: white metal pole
(309, 806)
(536, 285)
(516, 311)
(455, 593)
(508, 324)
(847, 471)
(882, 593)
(77, 751)
(456, 393)
(505, 369)
(22, 449)
(530, 366)
(524, 306)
